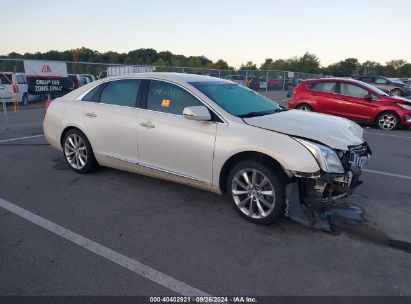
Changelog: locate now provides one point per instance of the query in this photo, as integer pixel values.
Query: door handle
(147, 124)
(314, 94)
(91, 114)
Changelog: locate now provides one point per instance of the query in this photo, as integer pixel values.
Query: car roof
(182, 77)
(341, 79)
(173, 77)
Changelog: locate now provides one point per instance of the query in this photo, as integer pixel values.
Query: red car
(354, 100)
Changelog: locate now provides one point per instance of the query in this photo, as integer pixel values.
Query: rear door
(110, 116)
(323, 95)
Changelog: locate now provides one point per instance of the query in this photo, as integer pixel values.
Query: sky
(234, 30)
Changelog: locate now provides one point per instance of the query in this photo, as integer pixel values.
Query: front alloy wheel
(253, 193)
(256, 192)
(388, 121)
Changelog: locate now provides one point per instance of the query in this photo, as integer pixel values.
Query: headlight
(325, 156)
(405, 106)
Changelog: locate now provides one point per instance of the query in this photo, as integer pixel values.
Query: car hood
(400, 84)
(335, 132)
(398, 99)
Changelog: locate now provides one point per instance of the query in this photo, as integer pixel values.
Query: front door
(352, 104)
(171, 143)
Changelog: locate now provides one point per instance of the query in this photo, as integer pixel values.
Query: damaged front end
(311, 197)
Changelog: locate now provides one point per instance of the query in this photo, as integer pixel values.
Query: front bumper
(406, 120)
(309, 198)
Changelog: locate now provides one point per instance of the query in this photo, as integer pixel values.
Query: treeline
(136, 57)
(308, 63)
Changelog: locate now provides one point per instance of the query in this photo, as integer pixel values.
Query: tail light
(297, 88)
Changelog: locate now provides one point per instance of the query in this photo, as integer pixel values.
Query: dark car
(74, 81)
(354, 100)
(397, 88)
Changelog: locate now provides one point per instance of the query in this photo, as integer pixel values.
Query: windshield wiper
(260, 113)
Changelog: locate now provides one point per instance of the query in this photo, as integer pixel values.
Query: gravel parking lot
(186, 236)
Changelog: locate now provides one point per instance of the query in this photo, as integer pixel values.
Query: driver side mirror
(199, 113)
(368, 97)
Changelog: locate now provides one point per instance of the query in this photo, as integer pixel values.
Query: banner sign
(45, 77)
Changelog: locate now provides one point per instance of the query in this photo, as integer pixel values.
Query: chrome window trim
(339, 94)
(209, 107)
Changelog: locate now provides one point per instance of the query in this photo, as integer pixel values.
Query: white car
(7, 79)
(212, 134)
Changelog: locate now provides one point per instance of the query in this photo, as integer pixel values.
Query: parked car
(354, 100)
(406, 81)
(102, 75)
(237, 78)
(262, 83)
(86, 78)
(7, 79)
(212, 134)
(2, 91)
(397, 88)
(74, 81)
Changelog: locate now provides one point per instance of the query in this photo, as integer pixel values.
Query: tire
(25, 100)
(305, 107)
(388, 121)
(261, 201)
(397, 92)
(78, 153)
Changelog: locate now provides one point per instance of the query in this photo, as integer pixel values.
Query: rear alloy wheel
(305, 107)
(256, 192)
(77, 152)
(388, 121)
(396, 92)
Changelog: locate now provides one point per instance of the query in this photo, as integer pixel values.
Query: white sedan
(212, 134)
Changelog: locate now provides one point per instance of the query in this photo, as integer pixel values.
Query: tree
(220, 64)
(371, 68)
(405, 70)
(267, 64)
(308, 63)
(344, 68)
(249, 66)
(393, 67)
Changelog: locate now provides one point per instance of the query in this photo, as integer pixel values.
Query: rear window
(121, 93)
(323, 86)
(6, 79)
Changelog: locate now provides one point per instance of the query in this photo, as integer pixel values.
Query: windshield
(237, 99)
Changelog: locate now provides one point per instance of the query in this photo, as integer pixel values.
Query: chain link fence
(14, 95)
